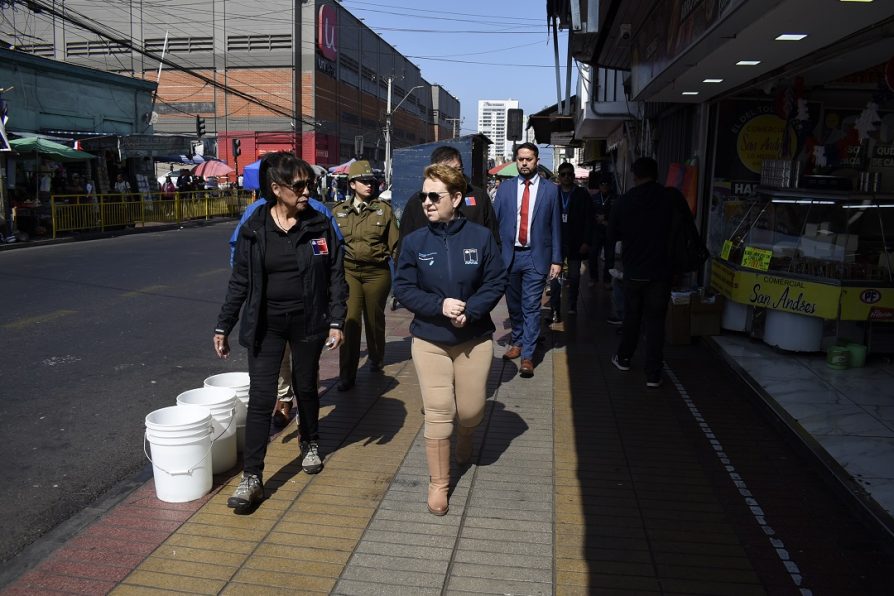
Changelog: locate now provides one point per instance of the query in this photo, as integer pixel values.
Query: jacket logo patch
(470, 256)
(428, 257)
(470, 201)
(320, 247)
(341, 214)
(380, 211)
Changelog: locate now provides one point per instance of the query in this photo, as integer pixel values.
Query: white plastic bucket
(179, 438)
(220, 403)
(239, 382)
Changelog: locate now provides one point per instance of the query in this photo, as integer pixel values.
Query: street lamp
(388, 112)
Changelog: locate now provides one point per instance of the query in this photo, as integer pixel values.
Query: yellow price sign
(757, 258)
(724, 252)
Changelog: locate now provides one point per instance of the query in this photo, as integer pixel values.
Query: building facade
(315, 82)
(492, 121)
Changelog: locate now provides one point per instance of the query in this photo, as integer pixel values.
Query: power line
(129, 44)
(429, 11)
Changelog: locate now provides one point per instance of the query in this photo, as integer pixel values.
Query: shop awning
(552, 127)
(141, 145)
(46, 148)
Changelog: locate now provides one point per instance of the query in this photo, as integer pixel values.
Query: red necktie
(523, 221)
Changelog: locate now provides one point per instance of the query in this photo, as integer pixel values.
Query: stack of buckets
(238, 382)
(198, 437)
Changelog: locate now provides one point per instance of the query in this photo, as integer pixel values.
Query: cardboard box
(705, 317)
(676, 329)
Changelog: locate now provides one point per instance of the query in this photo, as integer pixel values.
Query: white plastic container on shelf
(735, 317)
(793, 332)
(239, 382)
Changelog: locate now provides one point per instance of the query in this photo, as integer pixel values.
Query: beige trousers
(284, 384)
(453, 381)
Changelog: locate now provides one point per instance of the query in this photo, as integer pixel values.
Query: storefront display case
(807, 256)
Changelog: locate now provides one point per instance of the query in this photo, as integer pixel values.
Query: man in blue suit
(530, 220)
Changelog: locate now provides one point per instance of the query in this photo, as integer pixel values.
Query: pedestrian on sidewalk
(530, 219)
(450, 276)
(285, 395)
(577, 233)
(602, 201)
(476, 205)
(642, 222)
(288, 275)
(370, 232)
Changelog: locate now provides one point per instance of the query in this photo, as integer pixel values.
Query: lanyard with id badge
(565, 199)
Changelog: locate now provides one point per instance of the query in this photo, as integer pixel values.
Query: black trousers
(645, 302)
(263, 371)
(600, 238)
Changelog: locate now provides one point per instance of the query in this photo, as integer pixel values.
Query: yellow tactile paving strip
(302, 536)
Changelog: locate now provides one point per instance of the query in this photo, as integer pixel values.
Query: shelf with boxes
(692, 314)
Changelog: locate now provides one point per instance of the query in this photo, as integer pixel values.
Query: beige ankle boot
(464, 444)
(437, 451)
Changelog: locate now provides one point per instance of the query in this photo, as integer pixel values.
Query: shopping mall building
(236, 72)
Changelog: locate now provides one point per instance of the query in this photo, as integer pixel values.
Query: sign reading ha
(327, 26)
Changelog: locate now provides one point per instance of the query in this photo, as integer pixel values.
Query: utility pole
(388, 137)
(456, 123)
(388, 112)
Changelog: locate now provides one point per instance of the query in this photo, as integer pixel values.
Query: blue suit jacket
(545, 234)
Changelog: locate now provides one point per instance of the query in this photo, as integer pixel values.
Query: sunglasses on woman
(434, 197)
(299, 185)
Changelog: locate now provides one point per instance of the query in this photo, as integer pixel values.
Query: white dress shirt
(520, 181)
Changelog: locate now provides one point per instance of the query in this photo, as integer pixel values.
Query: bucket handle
(229, 424)
(188, 471)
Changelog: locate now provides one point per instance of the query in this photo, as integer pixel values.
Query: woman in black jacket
(288, 280)
(450, 276)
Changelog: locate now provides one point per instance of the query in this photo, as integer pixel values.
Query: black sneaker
(655, 380)
(614, 321)
(311, 462)
(248, 494)
(621, 363)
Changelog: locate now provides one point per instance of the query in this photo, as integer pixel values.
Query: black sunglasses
(299, 185)
(434, 197)
(566, 173)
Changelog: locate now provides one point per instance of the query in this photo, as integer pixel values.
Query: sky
(494, 49)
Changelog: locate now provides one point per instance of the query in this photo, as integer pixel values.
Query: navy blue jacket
(458, 259)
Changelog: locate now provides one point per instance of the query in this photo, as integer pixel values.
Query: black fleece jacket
(320, 255)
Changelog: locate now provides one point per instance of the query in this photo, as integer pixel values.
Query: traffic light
(200, 126)
(237, 147)
(514, 124)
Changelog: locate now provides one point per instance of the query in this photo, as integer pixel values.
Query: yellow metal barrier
(84, 213)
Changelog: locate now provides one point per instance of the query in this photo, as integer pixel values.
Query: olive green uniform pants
(368, 288)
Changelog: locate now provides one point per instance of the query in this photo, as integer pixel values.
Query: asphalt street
(95, 336)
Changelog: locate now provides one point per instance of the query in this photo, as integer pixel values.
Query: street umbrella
(212, 169)
(46, 148)
(250, 176)
(342, 168)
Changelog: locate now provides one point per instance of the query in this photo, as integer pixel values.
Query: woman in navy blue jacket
(450, 275)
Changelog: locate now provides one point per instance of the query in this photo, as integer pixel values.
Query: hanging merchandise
(684, 177)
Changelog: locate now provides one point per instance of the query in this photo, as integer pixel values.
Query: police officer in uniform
(371, 235)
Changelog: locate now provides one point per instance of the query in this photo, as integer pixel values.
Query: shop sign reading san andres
(765, 290)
